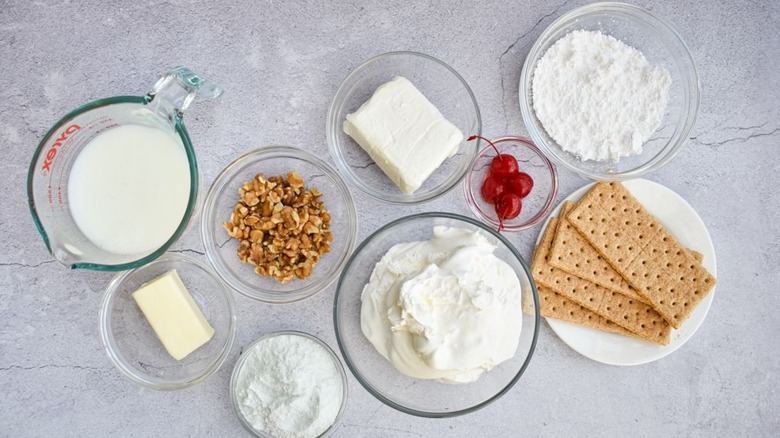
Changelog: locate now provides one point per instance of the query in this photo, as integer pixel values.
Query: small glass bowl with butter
(136, 348)
(536, 205)
(427, 397)
(222, 249)
(428, 126)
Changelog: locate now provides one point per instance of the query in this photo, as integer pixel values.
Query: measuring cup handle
(173, 93)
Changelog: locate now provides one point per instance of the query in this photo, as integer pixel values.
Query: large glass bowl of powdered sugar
(436, 315)
(609, 91)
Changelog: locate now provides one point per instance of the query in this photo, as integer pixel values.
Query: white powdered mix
(289, 387)
(597, 97)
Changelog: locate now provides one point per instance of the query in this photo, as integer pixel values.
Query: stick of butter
(173, 314)
(404, 133)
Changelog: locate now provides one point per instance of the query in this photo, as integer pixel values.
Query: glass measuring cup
(47, 180)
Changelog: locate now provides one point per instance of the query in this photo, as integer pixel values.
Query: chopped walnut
(282, 227)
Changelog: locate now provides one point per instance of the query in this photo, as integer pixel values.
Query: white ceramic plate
(683, 222)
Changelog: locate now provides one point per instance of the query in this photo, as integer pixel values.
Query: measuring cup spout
(174, 92)
(66, 254)
(67, 259)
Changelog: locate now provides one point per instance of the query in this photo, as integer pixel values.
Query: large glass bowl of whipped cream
(436, 315)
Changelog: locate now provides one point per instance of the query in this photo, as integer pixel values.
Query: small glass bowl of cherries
(511, 185)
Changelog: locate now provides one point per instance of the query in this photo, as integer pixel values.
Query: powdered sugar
(597, 97)
(289, 386)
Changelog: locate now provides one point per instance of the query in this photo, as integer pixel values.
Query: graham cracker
(671, 277)
(614, 223)
(630, 314)
(642, 251)
(572, 253)
(553, 305)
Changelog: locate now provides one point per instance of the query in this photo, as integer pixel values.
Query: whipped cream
(445, 309)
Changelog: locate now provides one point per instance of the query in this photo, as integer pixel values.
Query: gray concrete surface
(281, 62)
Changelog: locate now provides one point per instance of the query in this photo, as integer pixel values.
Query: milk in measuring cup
(129, 188)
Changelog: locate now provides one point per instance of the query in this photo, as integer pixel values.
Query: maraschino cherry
(504, 185)
(520, 184)
(491, 189)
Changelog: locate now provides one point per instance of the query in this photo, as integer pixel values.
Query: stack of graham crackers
(609, 264)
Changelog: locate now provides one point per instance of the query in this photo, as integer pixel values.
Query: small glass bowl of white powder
(288, 384)
(609, 91)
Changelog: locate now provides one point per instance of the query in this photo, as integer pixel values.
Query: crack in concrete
(220, 245)
(24, 265)
(194, 251)
(716, 144)
(387, 429)
(149, 367)
(40, 367)
(747, 128)
(511, 46)
(365, 166)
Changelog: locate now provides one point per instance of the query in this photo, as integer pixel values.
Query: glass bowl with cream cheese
(436, 315)
(134, 346)
(619, 115)
(222, 249)
(398, 126)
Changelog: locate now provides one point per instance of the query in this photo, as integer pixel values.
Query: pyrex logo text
(53, 149)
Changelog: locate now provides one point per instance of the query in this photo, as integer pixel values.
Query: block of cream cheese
(173, 314)
(404, 133)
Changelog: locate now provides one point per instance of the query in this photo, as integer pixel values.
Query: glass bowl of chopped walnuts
(278, 224)
(609, 91)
